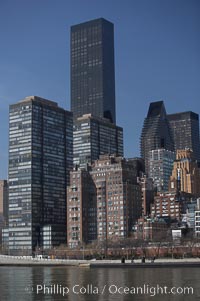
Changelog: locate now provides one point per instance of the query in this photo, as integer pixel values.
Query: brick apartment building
(103, 202)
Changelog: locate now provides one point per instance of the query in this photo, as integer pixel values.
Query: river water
(102, 284)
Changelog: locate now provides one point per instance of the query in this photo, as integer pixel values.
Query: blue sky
(157, 56)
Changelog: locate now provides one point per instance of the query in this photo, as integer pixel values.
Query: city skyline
(156, 58)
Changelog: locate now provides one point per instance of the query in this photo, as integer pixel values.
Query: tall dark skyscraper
(185, 130)
(156, 132)
(92, 69)
(40, 157)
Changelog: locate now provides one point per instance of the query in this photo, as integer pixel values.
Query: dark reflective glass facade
(92, 69)
(156, 132)
(40, 158)
(185, 130)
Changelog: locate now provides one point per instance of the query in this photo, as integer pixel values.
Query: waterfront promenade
(29, 261)
(160, 262)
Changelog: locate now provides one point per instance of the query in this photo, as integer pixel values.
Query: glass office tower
(94, 137)
(185, 130)
(156, 132)
(160, 167)
(92, 69)
(40, 158)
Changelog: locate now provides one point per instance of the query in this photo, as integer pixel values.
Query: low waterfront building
(150, 229)
(172, 204)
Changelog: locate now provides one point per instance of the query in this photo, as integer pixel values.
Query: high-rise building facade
(160, 167)
(185, 131)
(103, 202)
(93, 137)
(92, 69)
(170, 204)
(197, 219)
(81, 209)
(40, 158)
(185, 173)
(118, 197)
(156, 132)
(4, 201)
(3, 206)
(189, 217)
(147, 193)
